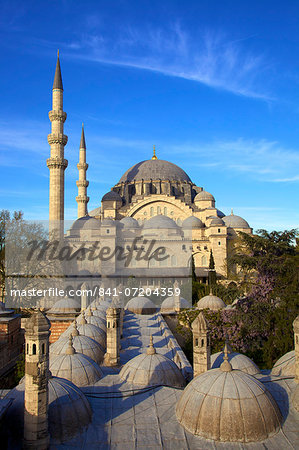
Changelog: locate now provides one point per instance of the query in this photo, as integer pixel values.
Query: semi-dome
(141, 305)
(75, 367)
(154, 169)
(203, 196)
(233, 221)
(192, 222)
(216, 221)
(66, 305)
(68, 414)
(129, 222)
(151, 368)
(82, 344)
(111, 196)
(285, 366)
(160, 221)
(172, 304)
(237, 360)
(229, 406)
(211, 302)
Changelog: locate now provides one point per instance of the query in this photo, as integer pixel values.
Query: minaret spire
(82, 183)
(56, 163)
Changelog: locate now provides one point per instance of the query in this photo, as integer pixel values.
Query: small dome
(233, 221)
(220, 214)
(69, 410)
(66, 305)
(192, 222)
(285, 366)
(160, 221)
(216, 221)
(211, 302)
(169, 304)
(141, 305)
(111, 196)
(229, 406)
(108, 223)
(75, 367)
(97, 320)
(89, 330)
(237, 360)
(150, 369)
(129, 222)
(87, 223)
(81, 344)
(203, 196)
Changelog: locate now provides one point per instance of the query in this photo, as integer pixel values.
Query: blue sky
(213, 84)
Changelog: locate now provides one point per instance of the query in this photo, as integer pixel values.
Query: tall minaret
(82, 183)
(57, 140)
(37, 331)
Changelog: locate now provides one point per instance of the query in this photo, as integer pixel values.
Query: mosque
(116, 378)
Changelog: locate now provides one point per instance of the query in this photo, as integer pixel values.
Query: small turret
(201, 345)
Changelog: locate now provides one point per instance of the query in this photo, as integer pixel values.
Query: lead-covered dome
(66, 305)
(172, 303)
(75, 367)
(211, 302)
(237, 360)
(192, 222)
(160, 221)
(285, 366)
(233, 221)
(141, 305)
(151, 368)
(129, 222)
(86, 223)
(111, 196)
(229, 406)
(203, 196)
(154, 169)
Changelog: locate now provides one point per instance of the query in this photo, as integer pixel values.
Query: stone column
(56, 163)
(37, 332)
(82, 183)
(201, 345)
(113, 337)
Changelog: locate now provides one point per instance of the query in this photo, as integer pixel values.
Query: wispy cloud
(208, 57)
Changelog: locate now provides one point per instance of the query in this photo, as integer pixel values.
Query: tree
(212, 271)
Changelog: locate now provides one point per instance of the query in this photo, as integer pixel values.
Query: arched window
(204, 260)
(152, 211)
(43, 349)
(34, 349)
(164, 262)
(27, 349)
(202, 342)
(196, 342)
(165, 211)
(152, 262)
(159, 210)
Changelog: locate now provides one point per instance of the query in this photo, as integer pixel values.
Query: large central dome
(155, 169)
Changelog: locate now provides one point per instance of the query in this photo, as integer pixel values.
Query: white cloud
(207, 57)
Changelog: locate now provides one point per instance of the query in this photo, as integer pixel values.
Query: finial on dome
(211, 291)
(151, 349)
(154, 153)
(226, 365)
(232, 212)
(89, 313)
(75, 331)
(82, 320)
(70, 349)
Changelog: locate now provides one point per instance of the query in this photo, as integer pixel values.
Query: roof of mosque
(154, 169)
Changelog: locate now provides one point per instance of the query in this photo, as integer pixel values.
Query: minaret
(36, 435)
(201, 345)
(111, 357)
(57, 140)
(82, 183)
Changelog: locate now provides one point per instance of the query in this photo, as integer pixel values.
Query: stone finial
(232, 212)
(70, 349)
(89, 312)
(151, 349)
(75, 331)
(82, 320)
(226, 365)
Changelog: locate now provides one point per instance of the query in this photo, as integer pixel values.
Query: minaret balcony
(58, 115)
(56, 162)
(82, 183)
(58, 138)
